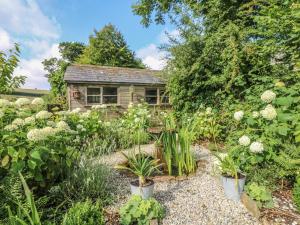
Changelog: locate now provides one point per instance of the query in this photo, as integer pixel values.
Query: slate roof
(103, 74)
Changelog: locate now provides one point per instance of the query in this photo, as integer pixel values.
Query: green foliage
(141, 165)
(8, 64)
(84, 213)
(86, 180)
(108, 47)
(296, 193)
(226, 48)
(70, 51)
(176, 142)
(25, 216)
(260, 194)
(228, 166)
(140, 211)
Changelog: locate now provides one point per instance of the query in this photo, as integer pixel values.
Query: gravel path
(197, 200)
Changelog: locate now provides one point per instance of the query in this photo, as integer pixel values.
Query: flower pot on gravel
(145, 191)
(233, 187)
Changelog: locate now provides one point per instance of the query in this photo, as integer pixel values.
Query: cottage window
(164, 98)
(93, 95)
(151, 96)
(110, 95)
(104, 95)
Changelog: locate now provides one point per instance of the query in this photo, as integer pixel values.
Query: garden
(74, 167)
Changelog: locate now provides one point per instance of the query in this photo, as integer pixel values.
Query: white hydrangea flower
(29, 120)
(269, 113)
(4, 103)
(10, 127)
(137, 120)
(22, 101)
(18, 122)
(79, 127)
(48, 131)
(244, 140)
(38, 101)
(62, 126)
(36, 135)
(43, 115)
(130, 105)
(268, 96)
(86, 114)
(238, 115)
(255, 114)
(256, 147)
(51, 124)
(208, 110)
(77, 110)
(103, 106)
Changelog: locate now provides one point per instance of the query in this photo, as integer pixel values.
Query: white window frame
(157, 95)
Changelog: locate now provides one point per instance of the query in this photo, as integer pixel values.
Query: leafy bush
(296, 193)
(263, 136)
(260, 193)
(84, 213)
(140, 211)
(87, 180)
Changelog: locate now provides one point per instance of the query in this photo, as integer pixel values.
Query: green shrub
(140, 211)
(88, 180)
(84, 213)
(296, 193)
(261, 194)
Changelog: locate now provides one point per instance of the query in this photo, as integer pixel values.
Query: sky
(40, 25)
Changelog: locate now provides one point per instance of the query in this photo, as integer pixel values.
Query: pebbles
(197, 200)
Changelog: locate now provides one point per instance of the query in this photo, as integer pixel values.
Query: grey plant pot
(233, 189)
(145, 192)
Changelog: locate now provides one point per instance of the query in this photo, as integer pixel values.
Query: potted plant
(233, 180)
(142, 166)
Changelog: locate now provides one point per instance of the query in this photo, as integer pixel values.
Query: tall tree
(70, 51)
(108, 47)
(227, 48)
(8, 64)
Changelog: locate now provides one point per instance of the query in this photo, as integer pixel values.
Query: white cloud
(5, 40)
(152, 56)
(33, 68)
(24, 22)
(25, 17)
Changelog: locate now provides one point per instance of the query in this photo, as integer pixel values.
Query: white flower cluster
(96, 107)
(256, 147)
(269, 113)
(208, 110)
(268, 96)
(51, 124)
(29, 120)
(85, 114)
(244, 140)
(38, 102)
(4, 103)
(10, 127)
(22, 101)
(255, 114)
(43, 115)
(18, 122)
(238, 115)
(77, 110)
(62, 126)
(40, 134)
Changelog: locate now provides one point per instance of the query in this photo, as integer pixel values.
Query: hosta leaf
(5, 161)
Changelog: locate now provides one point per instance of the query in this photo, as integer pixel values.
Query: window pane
(151, 92)
(93, 99)
(110, 91)
(93, 91)
(151, 100)
(110, 99)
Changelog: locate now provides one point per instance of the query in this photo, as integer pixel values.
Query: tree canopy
(227, 49)
(108, 47)
(8, 63)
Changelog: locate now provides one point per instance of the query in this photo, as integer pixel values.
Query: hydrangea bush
(263, 137)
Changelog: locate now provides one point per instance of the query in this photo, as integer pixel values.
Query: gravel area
(197, 200)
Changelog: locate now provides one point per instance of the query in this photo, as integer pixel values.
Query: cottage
(89, 85)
